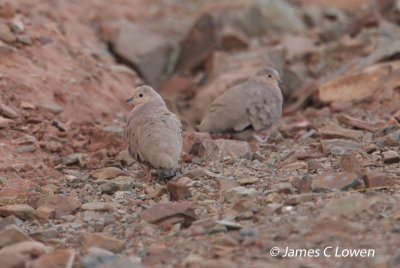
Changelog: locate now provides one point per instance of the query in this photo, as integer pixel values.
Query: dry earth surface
(328, 176)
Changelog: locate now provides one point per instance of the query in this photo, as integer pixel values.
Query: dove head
(142, 95)
(269, 75)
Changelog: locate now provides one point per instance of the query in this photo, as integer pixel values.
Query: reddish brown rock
(351, 6)
(297, 45)
(283, 188)
(27, 105)
(359, 85)
(160, 254)
(247, 181)
(107, 173)
(304, 186)
(334, 131)
(19, 254)
(347, 206)
(225, 184)
(11, 235)
(22, 211)
(300, 198)
(5, 33)
(296, 166)
(63, 205)
(175, 85)
(5, 123)
(103, 241)
(198, 44)
(390, 157)
(160, 212)
(340, 106)
(397, 116)
(289, 128)
(192, 141)
(376, 180)
(178, 191)
(7, 11)
(157, 192)
(341, 181)
(9, 196)
(230, 39)
(43, 214)
(349, 164)
(59, 258)
(20, 184)
(356, 123)
(7, 111)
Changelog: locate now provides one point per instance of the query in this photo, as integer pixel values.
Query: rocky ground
(327, 179)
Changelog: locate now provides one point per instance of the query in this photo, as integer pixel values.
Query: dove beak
(129, 99)
(280, 82)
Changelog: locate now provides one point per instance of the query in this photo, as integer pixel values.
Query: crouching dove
(153, 132)
(249, 107)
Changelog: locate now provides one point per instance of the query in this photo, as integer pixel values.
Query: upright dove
(255, 105)
(153, 132)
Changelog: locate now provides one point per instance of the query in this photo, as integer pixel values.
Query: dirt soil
(326, 182)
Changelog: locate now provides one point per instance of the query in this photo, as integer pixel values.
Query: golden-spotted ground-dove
(255, 104)
(153, 132)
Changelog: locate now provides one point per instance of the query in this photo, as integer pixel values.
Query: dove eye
(141, 95)
(270, 76)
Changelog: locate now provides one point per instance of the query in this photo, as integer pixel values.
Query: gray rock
(100, 206)
(117, 130)
(109, 187)
(246, 232)
(25, 149)
(147, 52)
(239, 192)
(24, 39)
(71, 159)
(283, 187)
(339, 147)
(231, 225)
(269, 17)
(392, 139)
(55, 109)
(222, 150)
(124, 183)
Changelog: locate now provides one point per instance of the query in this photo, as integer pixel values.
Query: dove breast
(155, 135)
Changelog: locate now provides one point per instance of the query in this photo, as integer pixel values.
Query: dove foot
(166, 174)
(259, 139)
(147, 174)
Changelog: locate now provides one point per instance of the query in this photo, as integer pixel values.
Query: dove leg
(147, 174)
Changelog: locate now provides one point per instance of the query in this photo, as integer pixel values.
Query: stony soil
(328, 176)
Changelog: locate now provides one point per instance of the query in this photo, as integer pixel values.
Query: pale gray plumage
(256, 103)
(153, 132)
